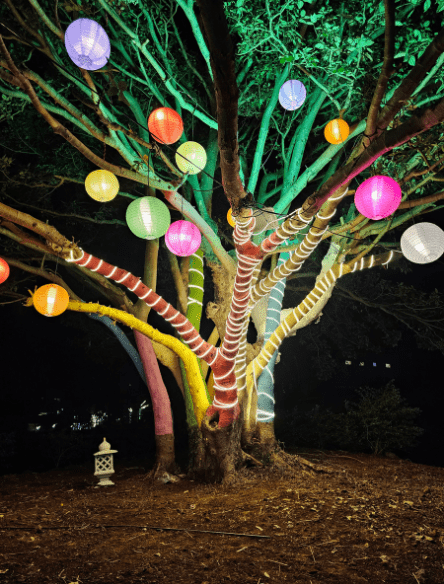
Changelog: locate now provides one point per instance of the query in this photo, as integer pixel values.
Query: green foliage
(379, 422)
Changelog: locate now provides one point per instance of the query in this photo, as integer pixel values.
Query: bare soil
(375, 520)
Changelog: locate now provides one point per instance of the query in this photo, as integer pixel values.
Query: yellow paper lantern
(102, 185)
(230, 218)
(336, 131)
(191, 157)
(50, 300)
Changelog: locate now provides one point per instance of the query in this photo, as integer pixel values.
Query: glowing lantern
(183, 238)
(165, 125)
(87, 44)
(423, 243)
(336, 131)
(292, 94)
(4, 270)
(50, 300)
(230, 218)
(148, 217)
(191, 157)
(378, 197)
(102, 185)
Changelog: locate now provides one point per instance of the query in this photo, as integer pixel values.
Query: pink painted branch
(163, 420)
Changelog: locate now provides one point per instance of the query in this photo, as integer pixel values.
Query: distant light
(37, 427)
(361, 364)
(43, 414)
(374, 364)
(348, 362)
(54, 425)
(388, 365)
(130, 409)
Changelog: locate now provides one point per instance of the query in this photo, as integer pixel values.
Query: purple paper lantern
(87, 44)
(292, 94)
(183, 238)
(378, 197)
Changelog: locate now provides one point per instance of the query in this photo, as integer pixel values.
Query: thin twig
(143, 527)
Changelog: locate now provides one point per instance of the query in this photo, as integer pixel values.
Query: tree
(237, 57)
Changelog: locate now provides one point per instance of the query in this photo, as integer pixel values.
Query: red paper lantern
(165, 125)
(4, 270)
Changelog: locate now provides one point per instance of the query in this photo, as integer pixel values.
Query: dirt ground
(376, 520)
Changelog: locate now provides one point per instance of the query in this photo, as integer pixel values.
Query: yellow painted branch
(197, 388)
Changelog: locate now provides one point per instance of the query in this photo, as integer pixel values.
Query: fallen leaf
(257, 527)
(266, 575)
(241, 549)
(408, 503)
(384, 559)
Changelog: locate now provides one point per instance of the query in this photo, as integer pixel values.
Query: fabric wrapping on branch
(265, 383)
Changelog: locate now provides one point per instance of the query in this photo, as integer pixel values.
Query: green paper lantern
(191, 157)
(148, 218)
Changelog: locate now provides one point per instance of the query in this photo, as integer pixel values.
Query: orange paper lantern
(336, 131)
(165, 125)
(230, 218)
(50, 300)
(4, 270)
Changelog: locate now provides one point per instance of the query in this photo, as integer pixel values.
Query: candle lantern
(230, 219)
(50, 300)
(165, 125)
(87, 44)
(191, 157)
(102, 185)
(336, 131)
(104, 464)
(378, 197)
(4, 270)
(292, 94)
(148, 217)
(423, 243)
(183, 238)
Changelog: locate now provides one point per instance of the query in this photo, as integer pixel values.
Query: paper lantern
(87, 44)
(336, 131)
(148, 217)
(50, 300)
(102, 185)
(191, 157)
(230, 218)
(165, 125)
(378, 197)
(4, 270)
(183, 238)
(292, 95)
(423, 243)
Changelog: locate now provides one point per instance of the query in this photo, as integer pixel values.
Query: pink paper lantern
(183, 238)
(378, 197)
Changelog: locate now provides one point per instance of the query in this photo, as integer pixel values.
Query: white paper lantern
(423, 243)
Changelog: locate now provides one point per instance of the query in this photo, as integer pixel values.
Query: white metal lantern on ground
(104, 464)
(423, 243)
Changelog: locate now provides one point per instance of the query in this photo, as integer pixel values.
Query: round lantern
(87, 44)
(378, 197)
(423, 243)
(148, 217)
(50, 300)
(102, 185)
(336, 131)
(165, 125)
(4, 270)
(183, 238)
(292, 94)
(191, 157)
(230, 218)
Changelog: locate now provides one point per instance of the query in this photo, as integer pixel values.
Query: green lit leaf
(427, 4)
(412, 60)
